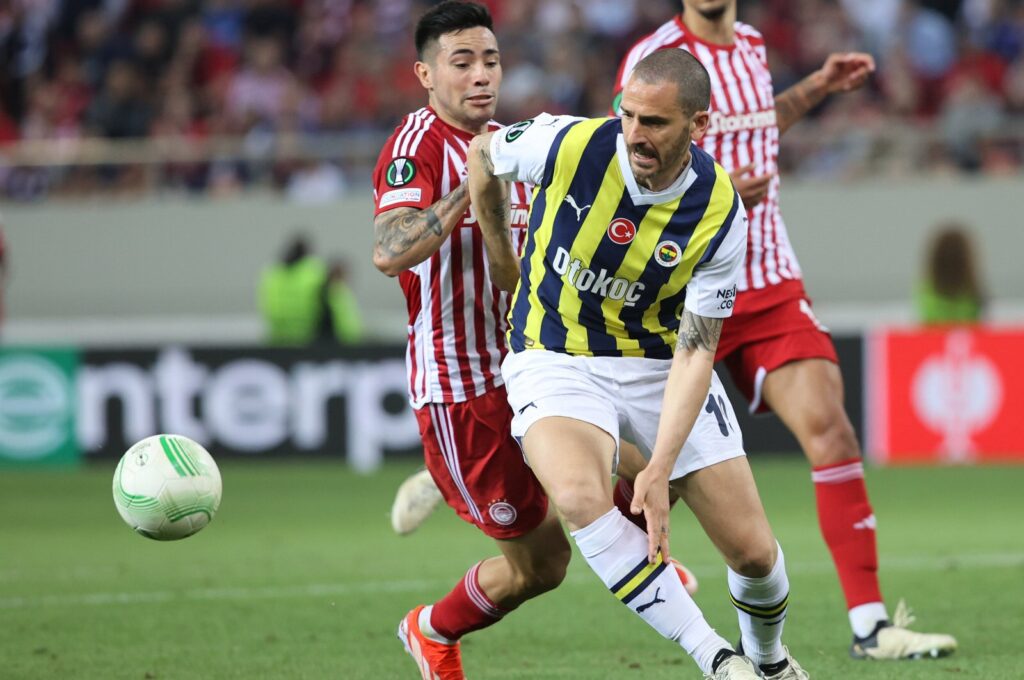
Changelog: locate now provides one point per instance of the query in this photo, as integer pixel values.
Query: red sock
(622, 495)
(465, 609)
(848, 525)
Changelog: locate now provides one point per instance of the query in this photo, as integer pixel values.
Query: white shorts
(622, 396)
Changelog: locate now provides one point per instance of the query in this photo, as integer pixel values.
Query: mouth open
(643, 158)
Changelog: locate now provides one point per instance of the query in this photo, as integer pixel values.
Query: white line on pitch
(705, 571)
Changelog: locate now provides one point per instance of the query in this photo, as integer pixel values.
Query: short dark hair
(448, 17)
(682, 68)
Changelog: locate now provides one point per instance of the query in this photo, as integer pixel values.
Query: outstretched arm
(489, 196)
(404, 237)
(685, 392)
(840, 73)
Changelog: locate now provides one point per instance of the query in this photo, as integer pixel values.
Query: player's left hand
(846, 71)
(650, 496)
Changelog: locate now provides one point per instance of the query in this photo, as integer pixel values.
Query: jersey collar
(641, 196)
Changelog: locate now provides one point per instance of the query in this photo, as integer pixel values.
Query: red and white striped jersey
(457, 316)
(742, 132)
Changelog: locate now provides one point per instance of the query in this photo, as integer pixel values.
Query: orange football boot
(436, 660)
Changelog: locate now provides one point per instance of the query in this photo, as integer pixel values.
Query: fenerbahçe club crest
(400, 172)
(668, 253)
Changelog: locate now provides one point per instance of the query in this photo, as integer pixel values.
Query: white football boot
(895, 641)
(415, 500)
(792, 671)
(735, 667)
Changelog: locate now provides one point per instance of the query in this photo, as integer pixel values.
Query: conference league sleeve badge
(400, 172)
(516, 131)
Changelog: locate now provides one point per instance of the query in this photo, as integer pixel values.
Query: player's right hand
(752, 190)
(650, 496)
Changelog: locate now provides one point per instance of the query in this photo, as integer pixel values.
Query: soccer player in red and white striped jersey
(778, 353)
(427, 236)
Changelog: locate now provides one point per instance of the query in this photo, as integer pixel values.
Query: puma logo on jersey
(866, 523)
(579, 211)
(599, 283)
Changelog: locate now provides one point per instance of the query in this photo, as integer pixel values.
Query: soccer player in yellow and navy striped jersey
(635, 243)
(605, 267)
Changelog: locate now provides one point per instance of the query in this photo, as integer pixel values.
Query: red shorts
(479, 467)
(769, 328)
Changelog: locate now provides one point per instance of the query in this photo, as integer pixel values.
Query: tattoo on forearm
(796, 101)
(502, 215)
(397, 233)
(698, 332)
(433, 222)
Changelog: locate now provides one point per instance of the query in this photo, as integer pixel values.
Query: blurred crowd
(948, 95)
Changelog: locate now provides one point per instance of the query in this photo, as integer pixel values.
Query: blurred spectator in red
(257, 92)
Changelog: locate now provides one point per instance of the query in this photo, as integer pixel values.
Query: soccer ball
(167, 487)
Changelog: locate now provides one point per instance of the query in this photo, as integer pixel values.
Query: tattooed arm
(404, 237)
(489, 196)
(840, 73)
(685, 393)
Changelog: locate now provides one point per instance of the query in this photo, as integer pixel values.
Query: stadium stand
(217, 97)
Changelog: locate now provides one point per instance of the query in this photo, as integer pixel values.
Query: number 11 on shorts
(716, 405)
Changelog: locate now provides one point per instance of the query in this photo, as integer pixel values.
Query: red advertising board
(945, 395)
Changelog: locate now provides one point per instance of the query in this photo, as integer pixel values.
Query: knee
(830, 438)
(580, 504)
(546, 575)
(756, 559)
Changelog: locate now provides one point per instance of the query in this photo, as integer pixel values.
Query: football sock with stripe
(617, 552)
(761, 606)
(848, 525)
(465, 609)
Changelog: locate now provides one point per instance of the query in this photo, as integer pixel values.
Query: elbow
(474, 147)
(507, 281)
(385, 264)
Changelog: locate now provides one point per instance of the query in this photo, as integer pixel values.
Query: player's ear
(699, 125)
(422, 71)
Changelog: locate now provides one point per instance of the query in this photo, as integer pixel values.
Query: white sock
(761, 606)
(616, 550)
(864, 618)
(428, 630)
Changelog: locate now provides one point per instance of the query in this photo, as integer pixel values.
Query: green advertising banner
(37, 406)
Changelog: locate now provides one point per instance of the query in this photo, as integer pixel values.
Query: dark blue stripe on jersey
(521, 308)
(611, 256)
(549, 164)
(720, 236)
(679, 229)
(671, 307)
(597, 154)
(672, 310)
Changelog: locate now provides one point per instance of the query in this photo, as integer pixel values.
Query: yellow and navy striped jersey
(604, 272)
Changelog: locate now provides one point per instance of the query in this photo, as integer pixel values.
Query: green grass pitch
(299, 576)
